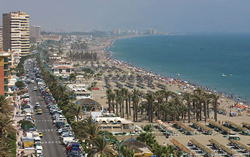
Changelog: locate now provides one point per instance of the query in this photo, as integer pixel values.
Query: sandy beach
(172, 84)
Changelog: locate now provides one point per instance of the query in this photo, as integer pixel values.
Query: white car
(37, 105)
(35, 88)
(32, 81)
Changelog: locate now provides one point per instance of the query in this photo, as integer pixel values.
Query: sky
(163, 15)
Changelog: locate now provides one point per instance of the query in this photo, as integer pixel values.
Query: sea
(219, 61)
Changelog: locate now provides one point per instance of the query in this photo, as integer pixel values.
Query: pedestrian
(18, 153)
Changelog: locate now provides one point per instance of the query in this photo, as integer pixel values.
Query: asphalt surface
(52, 147)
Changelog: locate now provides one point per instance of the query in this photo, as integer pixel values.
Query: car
(37, 105)
(39, 111)
(40, 134)
(35, 87)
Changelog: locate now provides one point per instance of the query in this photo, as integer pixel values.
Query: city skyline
(169, 16)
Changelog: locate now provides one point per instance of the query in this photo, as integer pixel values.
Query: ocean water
(198, 58)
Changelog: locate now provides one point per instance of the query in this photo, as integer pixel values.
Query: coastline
(158, 77)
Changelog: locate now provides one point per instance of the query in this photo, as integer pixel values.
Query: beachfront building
(61, 63)
(4, 68)
(63, 71)
(55, 57)
(16, 35)
(115, 124)
(81, 91)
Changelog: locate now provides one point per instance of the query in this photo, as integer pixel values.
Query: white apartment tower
(116, 31)
(16, 33)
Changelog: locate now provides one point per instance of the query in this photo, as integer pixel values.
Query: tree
(72, 77)
(148, 128)
(188, 98)
(108, 94)
(150, 98)
(5, 106)
(19, 84)
(127, 152)
(135, 99)
(76, 110)
(147, 138)
(100, 146)
(7, 130)
(215, 104)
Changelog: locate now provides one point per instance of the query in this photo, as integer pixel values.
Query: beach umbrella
(244, 106)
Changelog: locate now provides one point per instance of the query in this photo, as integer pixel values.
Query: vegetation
(72, 76)
(158, 150)
(7, 131)
(19, 84)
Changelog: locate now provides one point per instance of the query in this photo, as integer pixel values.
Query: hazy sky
(164, 15)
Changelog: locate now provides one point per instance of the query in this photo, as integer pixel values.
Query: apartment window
(67, 70)
(6, 66)
(5, 81)
(6, 74)
(6, 59)
(6, 88)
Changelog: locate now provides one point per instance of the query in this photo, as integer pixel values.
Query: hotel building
(16, 35)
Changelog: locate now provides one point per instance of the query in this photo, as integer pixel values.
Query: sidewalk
(17, 118)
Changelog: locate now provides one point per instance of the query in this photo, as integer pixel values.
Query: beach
(175, 85)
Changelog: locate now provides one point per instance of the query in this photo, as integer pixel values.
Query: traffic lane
(50, 149)
(44, 122)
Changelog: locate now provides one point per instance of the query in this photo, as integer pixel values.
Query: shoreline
(158, 77)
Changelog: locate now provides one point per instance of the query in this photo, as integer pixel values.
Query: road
(51, 145)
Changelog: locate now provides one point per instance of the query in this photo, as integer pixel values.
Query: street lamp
(85, 108)
(119, 145)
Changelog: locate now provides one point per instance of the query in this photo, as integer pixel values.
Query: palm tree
(135, 99)
(198, 106)
(5, 106)
(108, 94)
(150, 98)
(76, 110)
(215, 100)
(112, 96)
(126, 98)
(6, 127)
(100, 146)
(129, 98)
(159, 97)
(146, 137)
(167, 95)
(188, 98)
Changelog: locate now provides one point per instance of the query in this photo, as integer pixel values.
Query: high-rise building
(1, 37)
(4, 72)
(151, 31)
(116, 31)
(35, 34)
(16, 32)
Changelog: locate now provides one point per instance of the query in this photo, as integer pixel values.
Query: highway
(51, 145)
